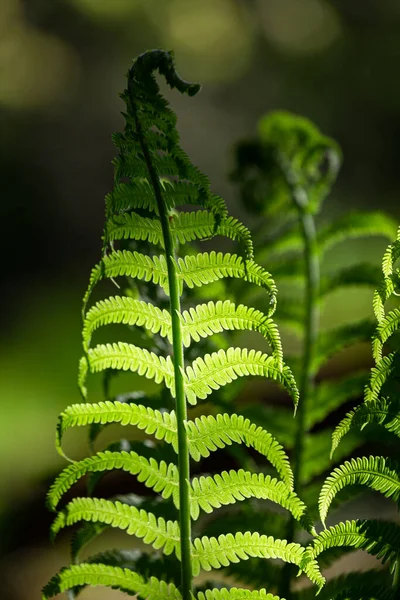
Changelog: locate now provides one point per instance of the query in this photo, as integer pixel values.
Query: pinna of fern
(378, 473)
(285, 174)
(153, 177)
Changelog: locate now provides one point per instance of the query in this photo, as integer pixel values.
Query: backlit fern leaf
(127, 357)
(385, 329)
(208, 433)
(205, 267)
(376, 472)
(228, 487)
(123, 309)
(378, 538)
(162, 425)
(157, 532)
(161, 477)
(380, 375)
(139, 212)
(215, 370)
(206, 319)
(214, 553)
(382, 412)
(236, 594)
(109, 576)
(186, 226)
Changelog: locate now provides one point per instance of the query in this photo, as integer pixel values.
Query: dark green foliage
(190, 348)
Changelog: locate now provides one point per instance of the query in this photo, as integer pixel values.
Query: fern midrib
(312, 272)
(178, 361)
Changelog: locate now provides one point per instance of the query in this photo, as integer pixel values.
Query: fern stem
(396, 574)
(312, 273)
(178, 360)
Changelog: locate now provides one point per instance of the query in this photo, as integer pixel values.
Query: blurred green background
(62, 65)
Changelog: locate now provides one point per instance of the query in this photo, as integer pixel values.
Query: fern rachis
(142, 217)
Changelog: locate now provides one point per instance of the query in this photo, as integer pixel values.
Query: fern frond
(205, 267)
(380, 375)
(228, 487)
(185, 226)
(376, 472)
(131, 226)
(189, 226)
(355, 225)
(131, 264)
(109, 576)
(382, 412)
(161, 477)
(392, 254)
(222, 367)
(214, 553)
(387, 326)
(126, 310)
(214, 317)
(162, 425)
(157, 532)
(236, 594)
(378, 538)
(127, 357)
(208, 433)
(383, 292)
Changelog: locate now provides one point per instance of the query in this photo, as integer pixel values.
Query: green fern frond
(135, 194)
(220, 368)
(355, 225)
(126, 310)
(185, 226)
(392, 254)
(380, 375)
(205, 267)
(382, 294)
(385, 329)
(376, 472)
(131, 226)
(236, 594)
(378, 538)
(127, 357)
(161, 477)
(131, 264)
(228, 487)
(363, 274)
(162, 425)
(208, 433)
(214, 553)
(382, 412)
(114, 577)
(214, 317)
(157, 532)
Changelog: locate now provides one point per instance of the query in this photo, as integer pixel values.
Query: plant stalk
(396, 574)
(178, 360)
(312, 272)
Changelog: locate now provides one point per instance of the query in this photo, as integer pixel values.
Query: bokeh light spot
(36, 69)
(295, 27)
(212, 39)
(107, 9)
